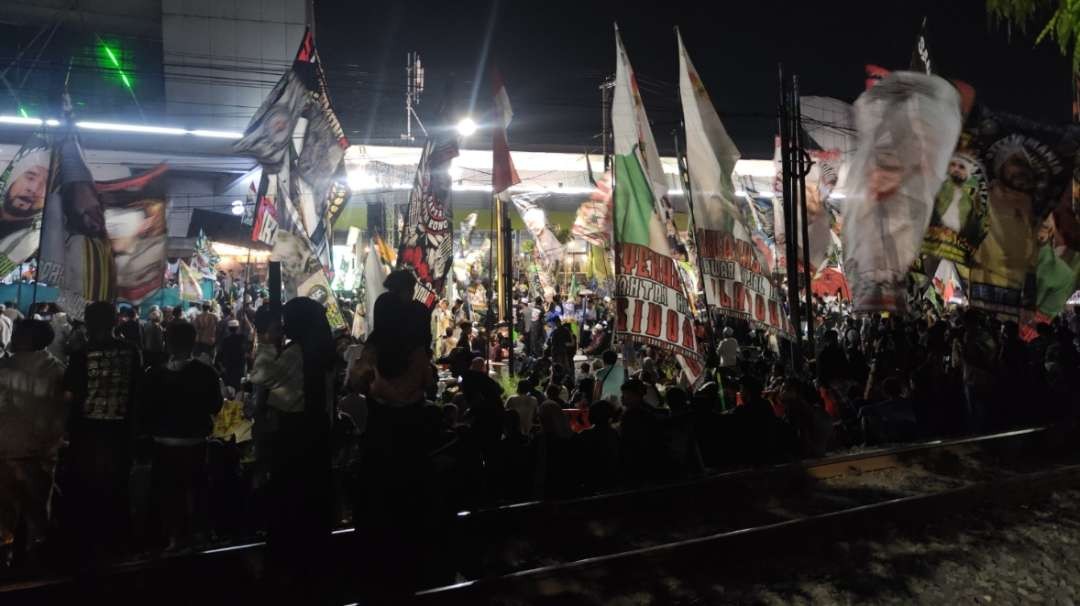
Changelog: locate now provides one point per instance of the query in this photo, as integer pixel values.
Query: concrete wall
(221, 57)
(184, 194)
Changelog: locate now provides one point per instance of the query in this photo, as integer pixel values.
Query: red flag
(503, 173)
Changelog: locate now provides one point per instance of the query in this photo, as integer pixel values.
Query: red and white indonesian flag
(650, 300)
(503, 174)
(735, 277)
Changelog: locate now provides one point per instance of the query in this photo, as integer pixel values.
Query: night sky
(554, 54)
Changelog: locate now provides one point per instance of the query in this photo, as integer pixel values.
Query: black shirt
(182, 403)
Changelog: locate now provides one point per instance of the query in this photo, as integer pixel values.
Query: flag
(593, 220)
(427, 241)
(135, 220)
(920, 56)
(374, 274)
(76, 254)
(250, 205)
(297, 139)
(1022, 262)
(23, 187)
(205, 260)
(503, 174)
(266, 225)
(317, 288)
(532, 214)
(651, 305)
(386, 254)
(735, 280)
(190, 283)
(908, 126)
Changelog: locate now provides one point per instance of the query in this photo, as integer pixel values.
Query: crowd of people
(219, 421)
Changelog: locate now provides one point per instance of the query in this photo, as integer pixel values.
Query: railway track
(518, 547)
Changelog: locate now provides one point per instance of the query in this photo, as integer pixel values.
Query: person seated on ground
(515, 461)
(640, 433)
(478, 364)
(585, 388)
(728, 350)
(830, 362)
(578, 411)
(892, 420)
(553, 393)
(812, 426)
(524, 406)
(600, 449)
(557, 454)
(610, 378)
(758, 434)
(682, 448)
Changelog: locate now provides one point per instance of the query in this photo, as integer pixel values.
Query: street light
(466, 127)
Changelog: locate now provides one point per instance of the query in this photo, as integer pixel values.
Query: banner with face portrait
(1057, 274)
(535, 219)
(135, 211)
(1027, 167)
(102, 241)
(76, 252)
(317, 288)
(22, 199)
(427, 243)
(297, 139)
(956, 221)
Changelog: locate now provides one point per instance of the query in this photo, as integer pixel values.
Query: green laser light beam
(112, 57)
(116, 64)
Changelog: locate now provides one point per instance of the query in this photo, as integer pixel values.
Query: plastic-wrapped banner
(535, 219)
(907, 126)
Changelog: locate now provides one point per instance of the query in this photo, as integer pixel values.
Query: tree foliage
(1059, 20)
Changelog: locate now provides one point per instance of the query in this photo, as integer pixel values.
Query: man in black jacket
(181, 399)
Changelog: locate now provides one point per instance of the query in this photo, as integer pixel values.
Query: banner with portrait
(22, 200)
(189, 282)
(1028, 167)
(532, 214)
(135, 212)
(76, 252)
(593, 220)
(427, 245)
(317, 288)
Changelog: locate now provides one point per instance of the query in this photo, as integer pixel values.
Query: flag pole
(18, 289)
(684, 175)
(802, 169)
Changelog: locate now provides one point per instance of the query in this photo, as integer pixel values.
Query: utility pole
(791, 223)
(414, 85)
(801, 163)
